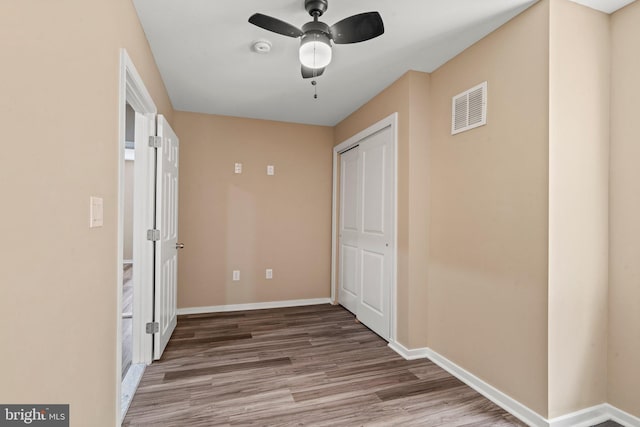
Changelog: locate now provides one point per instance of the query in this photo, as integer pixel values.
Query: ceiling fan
(316, 37)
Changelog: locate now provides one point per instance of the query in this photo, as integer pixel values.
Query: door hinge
(153, 235)
(153, 327)
(155, 141)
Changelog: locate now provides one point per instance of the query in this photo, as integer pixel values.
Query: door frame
(133, 91)
(392, 122)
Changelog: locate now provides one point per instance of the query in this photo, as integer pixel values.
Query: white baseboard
(584, 418)
(253, 306)
(127, 261)
(622, 417)
(409, 354)
(507, 403)
(595, 415)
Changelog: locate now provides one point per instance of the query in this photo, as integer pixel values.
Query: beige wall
(251, 221)
(487, 283)
(418, 210)
(578, 206)
(624, 268)
(408, 96)
(59, 109)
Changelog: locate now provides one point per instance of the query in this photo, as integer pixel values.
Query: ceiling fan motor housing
(316, 27)
(315, 36)
(316, 7)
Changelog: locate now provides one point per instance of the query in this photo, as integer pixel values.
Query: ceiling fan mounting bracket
(316, 7)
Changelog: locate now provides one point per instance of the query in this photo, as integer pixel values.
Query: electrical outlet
(269, 274)
(238, 168)
(271, 170)
(236, 275)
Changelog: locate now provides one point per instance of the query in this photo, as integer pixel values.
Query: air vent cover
(469, 109)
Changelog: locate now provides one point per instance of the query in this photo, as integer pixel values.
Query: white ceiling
(203, 51)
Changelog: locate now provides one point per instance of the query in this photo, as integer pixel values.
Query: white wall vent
(469, 109)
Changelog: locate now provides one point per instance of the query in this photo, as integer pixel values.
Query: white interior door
(349, 229)
(143, 250)
(375, 239)
(166, 257)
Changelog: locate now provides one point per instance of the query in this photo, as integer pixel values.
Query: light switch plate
(271, 170)
(238, 168)
(96, 212)
(236, 275)
(269, 274)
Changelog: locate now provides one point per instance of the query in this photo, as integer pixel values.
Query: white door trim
(132, 91)
(390, 121)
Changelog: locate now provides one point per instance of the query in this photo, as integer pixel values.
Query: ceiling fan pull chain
(315, 88)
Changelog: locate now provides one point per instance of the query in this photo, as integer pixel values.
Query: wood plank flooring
(294, 367)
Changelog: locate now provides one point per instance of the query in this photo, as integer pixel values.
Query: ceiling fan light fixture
(315, 50)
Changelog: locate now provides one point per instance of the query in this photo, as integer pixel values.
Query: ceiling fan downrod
(316, 8)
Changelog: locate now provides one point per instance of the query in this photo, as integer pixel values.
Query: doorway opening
(147, 234)
(136, 209)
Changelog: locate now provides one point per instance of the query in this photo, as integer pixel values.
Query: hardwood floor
(298, 366)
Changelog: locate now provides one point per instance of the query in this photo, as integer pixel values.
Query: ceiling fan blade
(357, 28)
(308, 73)
(275, 25)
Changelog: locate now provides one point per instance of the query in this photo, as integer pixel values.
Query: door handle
(179, 245)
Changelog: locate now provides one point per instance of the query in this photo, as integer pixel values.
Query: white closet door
(349, 229)
(375, 240)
